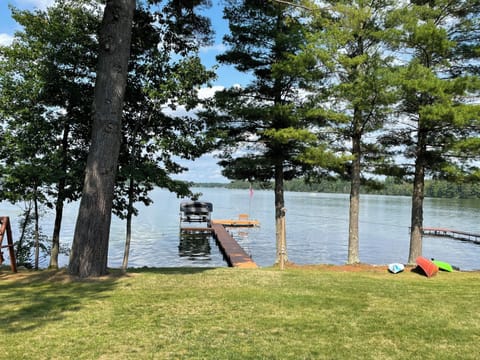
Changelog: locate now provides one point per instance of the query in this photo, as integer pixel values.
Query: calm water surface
(317, 229)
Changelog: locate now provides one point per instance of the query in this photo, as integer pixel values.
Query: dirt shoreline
(343, 268)
(62, 274)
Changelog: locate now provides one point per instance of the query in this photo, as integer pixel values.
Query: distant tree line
(433, 188)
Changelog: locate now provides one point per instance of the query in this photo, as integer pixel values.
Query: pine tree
(348, 41)
(264, 135)
(439, 117)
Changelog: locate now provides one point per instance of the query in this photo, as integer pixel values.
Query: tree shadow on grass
(30, 299)
(171, 271)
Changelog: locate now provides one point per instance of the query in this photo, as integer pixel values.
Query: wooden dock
(242, 221)
(237, 222)
(233, 252)
(454, 234)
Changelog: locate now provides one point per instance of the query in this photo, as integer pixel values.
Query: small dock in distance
(454, 234)
(240, 222)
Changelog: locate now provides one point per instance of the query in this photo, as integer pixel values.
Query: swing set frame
(6, 229)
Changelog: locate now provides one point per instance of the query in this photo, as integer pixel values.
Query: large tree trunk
(417, 202)
(354, 211)
(90, 243)
(280, 232)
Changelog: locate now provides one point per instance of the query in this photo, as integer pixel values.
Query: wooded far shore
(433, 188)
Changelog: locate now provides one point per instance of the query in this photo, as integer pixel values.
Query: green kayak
(442, 265)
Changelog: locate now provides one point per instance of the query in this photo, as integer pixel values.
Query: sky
(205, 168)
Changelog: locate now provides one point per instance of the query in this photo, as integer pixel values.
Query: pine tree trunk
(354, 210)
(90, 243)
(280, 230)
(417, 202)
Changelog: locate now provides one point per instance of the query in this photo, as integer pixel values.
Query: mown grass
(240, 314)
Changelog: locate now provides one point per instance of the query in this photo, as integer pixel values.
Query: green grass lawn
(240, 314)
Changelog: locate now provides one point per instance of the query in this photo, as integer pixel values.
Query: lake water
(317, 229)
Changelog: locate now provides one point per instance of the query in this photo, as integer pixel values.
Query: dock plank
(233, 252)
(237, 222)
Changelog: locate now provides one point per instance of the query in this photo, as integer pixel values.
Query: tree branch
(285, 2)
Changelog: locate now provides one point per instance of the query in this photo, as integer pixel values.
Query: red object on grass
(428, 267)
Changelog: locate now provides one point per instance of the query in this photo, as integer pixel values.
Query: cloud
(180, 110)
(209, 92)
(213, 48)
(204, 169)
(38, 4)
(5, 39)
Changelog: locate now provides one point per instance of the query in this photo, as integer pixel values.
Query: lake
(317, 229)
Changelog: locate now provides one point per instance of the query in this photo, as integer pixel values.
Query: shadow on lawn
(170, 271)
(31, 299)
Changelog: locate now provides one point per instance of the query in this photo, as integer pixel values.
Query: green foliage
(262, 131)
(353, 91)
(47, 83)
(46, 88)
(349, 44)
(47, 79)
(262, 127)
(322, 157)
(182, 25)
(439, 106)
(434, 100)
(45, 96)
(158, 80)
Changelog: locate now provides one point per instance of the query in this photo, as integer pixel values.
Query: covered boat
(195, 211)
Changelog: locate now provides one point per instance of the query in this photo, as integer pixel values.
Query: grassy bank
(240, 314)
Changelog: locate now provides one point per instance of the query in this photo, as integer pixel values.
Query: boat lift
(200, 212)
(195, 212)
